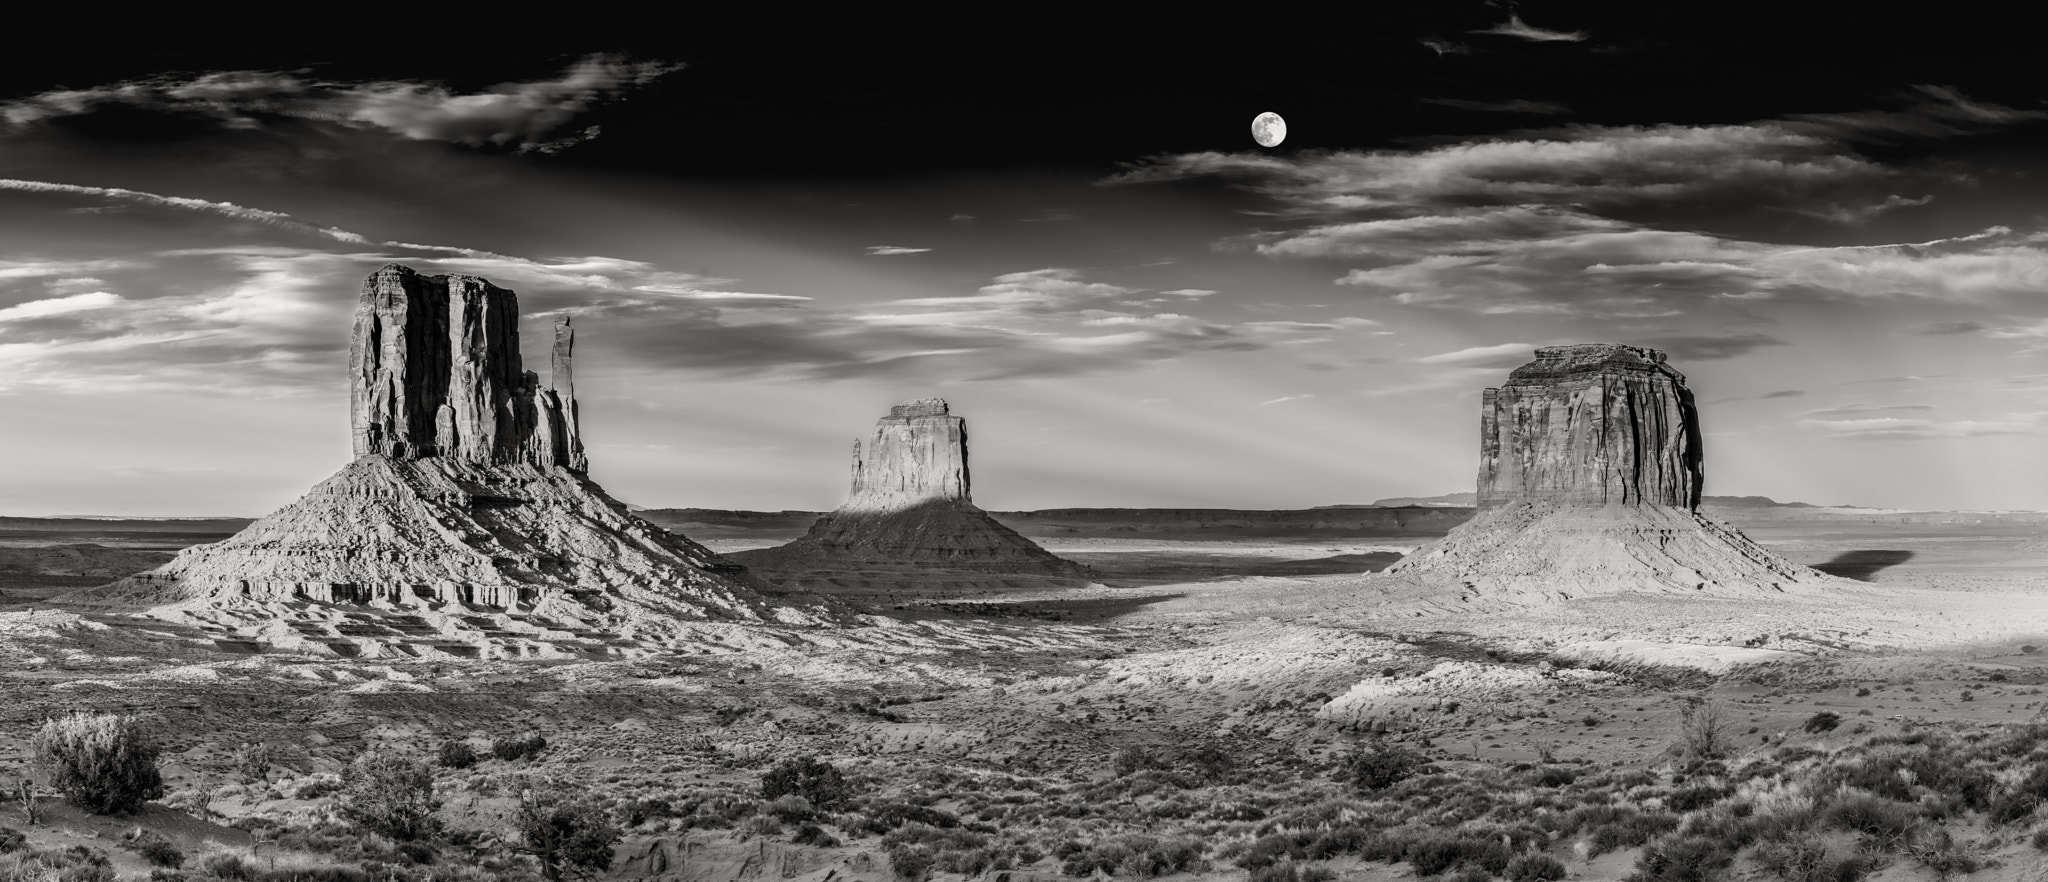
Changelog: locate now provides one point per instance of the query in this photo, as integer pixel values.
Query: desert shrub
(316, 787)
(1290, 872)
(228, 865)
(74, 864)
(1131, 855)
(1556, 776)
(1682, 859)
(2040, 840)
(103, 762)
(253, 761)
(1211, 761)
(457, 754)
(1697, 796)
(512, 747)
(1825, 721)
(12, 840)
(819, 782)
(2018, 802)
(1437, 851)
(812, 834)
(909, 861)
(1629, 831)
(1703, 731)
(1874, 816)
(565, 831)
(1935, 849)
(154, 848)
(792, 808)
(390, 795)
(1806, 858)
(1534, 868)
(891, 815)
(1379, 765)
(1134, 759)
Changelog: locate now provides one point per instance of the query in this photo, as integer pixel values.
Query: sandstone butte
(1590, 473)
(911, 507)
(467, 502)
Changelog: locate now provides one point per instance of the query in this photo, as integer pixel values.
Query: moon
(1269, 129)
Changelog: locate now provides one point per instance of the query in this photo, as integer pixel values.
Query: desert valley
(1584, 670)
(1456, 441)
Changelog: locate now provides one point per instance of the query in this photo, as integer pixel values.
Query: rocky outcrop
(1590, 424)
(910, 507)
(1589, 483)
(467, 498)
(435, 372)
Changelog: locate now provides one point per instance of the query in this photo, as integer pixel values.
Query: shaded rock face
(1589, 484)
(466, 507)
(1591, 424)
(435, 371)
(910, 507)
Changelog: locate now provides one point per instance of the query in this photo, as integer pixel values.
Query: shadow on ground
(1147, 567)
(1863, 564)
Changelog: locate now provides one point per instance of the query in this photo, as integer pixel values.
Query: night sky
(1056, 219)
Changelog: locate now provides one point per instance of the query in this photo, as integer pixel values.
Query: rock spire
(1590, 472)
(466, 506)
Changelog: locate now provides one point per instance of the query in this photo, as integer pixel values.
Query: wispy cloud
(1768, 396)
(1907, 429)
(225, 209)
(1444, 47)
(886, 250)
(1515, 27)
(1859, 408)
(528, 115)
(1503, 355)
(1285, 398)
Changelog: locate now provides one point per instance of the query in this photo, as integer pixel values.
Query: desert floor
(1283, 653)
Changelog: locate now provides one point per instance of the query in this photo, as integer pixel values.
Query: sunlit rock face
(917, 454)
(468, 494)
(1590, 473)
(910, 507)
(1591, 424)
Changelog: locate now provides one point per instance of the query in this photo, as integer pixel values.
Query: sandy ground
(1283, 649)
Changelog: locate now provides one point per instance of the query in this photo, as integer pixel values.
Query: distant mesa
(910, 507)
(466, 508)
(1590, 472)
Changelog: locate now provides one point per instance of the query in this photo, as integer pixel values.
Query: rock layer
(1591, 424)
(467, 495)
(1589, 483)
(911, 507)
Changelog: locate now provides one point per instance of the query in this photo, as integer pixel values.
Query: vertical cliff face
(1591, 424)
(1589, 484)
(435, 371)
(910, 509)
(466, 504)
(918, 454)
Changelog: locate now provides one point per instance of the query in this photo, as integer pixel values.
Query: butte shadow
(1589, 484)
(465, 525)
(910, 527)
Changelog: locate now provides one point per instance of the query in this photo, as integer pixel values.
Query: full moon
(1269, 129)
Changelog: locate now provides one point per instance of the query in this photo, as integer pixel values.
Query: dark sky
(773, 226)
